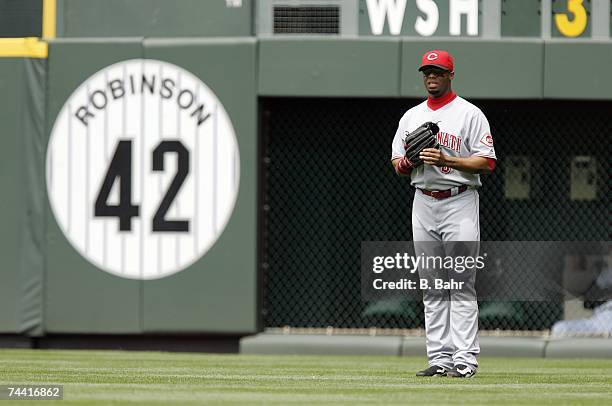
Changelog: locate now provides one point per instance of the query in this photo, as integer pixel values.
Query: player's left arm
(480, 147)
(474, 164)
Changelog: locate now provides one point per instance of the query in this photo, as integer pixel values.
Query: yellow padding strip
(49, 19)
(23, 48)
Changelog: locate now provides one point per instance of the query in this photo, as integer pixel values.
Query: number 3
(578, 24)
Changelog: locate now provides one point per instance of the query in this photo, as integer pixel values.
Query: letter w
(379, 9)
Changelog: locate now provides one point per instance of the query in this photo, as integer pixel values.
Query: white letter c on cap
(432, 56)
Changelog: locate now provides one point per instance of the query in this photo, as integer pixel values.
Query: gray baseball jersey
(464, 132)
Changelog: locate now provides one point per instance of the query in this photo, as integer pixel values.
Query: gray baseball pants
(451, 316)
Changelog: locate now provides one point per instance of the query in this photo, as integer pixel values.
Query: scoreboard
(486, 18)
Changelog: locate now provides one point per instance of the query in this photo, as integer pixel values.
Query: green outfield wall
(188, 301)
(21, 296)
(153, 18)
(387, 67)
(21, 18)
(11, 201)
(48, 287)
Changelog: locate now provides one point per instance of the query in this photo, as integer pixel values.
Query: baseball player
(446, 208)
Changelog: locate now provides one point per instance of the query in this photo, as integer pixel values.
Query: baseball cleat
(462, 371)
(433, 370)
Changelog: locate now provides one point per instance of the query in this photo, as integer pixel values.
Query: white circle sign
(142, 169)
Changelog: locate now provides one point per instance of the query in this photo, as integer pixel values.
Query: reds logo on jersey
(445, 170)
(487, 140)
(449, 141)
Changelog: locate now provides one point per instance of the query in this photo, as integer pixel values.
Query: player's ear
(451, 75)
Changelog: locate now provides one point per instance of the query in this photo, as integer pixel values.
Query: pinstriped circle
(130, 112)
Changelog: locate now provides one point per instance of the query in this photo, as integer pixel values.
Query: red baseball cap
(439, 58)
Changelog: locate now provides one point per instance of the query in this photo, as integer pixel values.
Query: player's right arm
(402, 166)
(400, 163)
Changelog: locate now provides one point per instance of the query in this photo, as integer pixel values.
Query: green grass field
(115, 377)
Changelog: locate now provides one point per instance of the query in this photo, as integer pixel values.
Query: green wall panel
(11, 87)
(22, 18)
(329, 67)
(79, 297)
(521, 18)
(31, 233)
(153, 18)
(22, 84)
(577, 70)
(219, 292)
(483, 69)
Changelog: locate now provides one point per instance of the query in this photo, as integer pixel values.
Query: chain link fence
(328, 185)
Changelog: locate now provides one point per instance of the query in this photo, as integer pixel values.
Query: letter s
(427, 27)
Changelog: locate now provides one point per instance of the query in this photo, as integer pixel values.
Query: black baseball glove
(421, 138)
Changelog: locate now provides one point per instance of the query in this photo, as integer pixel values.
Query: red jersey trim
(439, 102)
(491, 163)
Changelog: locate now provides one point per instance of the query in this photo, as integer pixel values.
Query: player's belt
(443, 194)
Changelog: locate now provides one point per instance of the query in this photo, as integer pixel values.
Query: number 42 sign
(142, 169)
